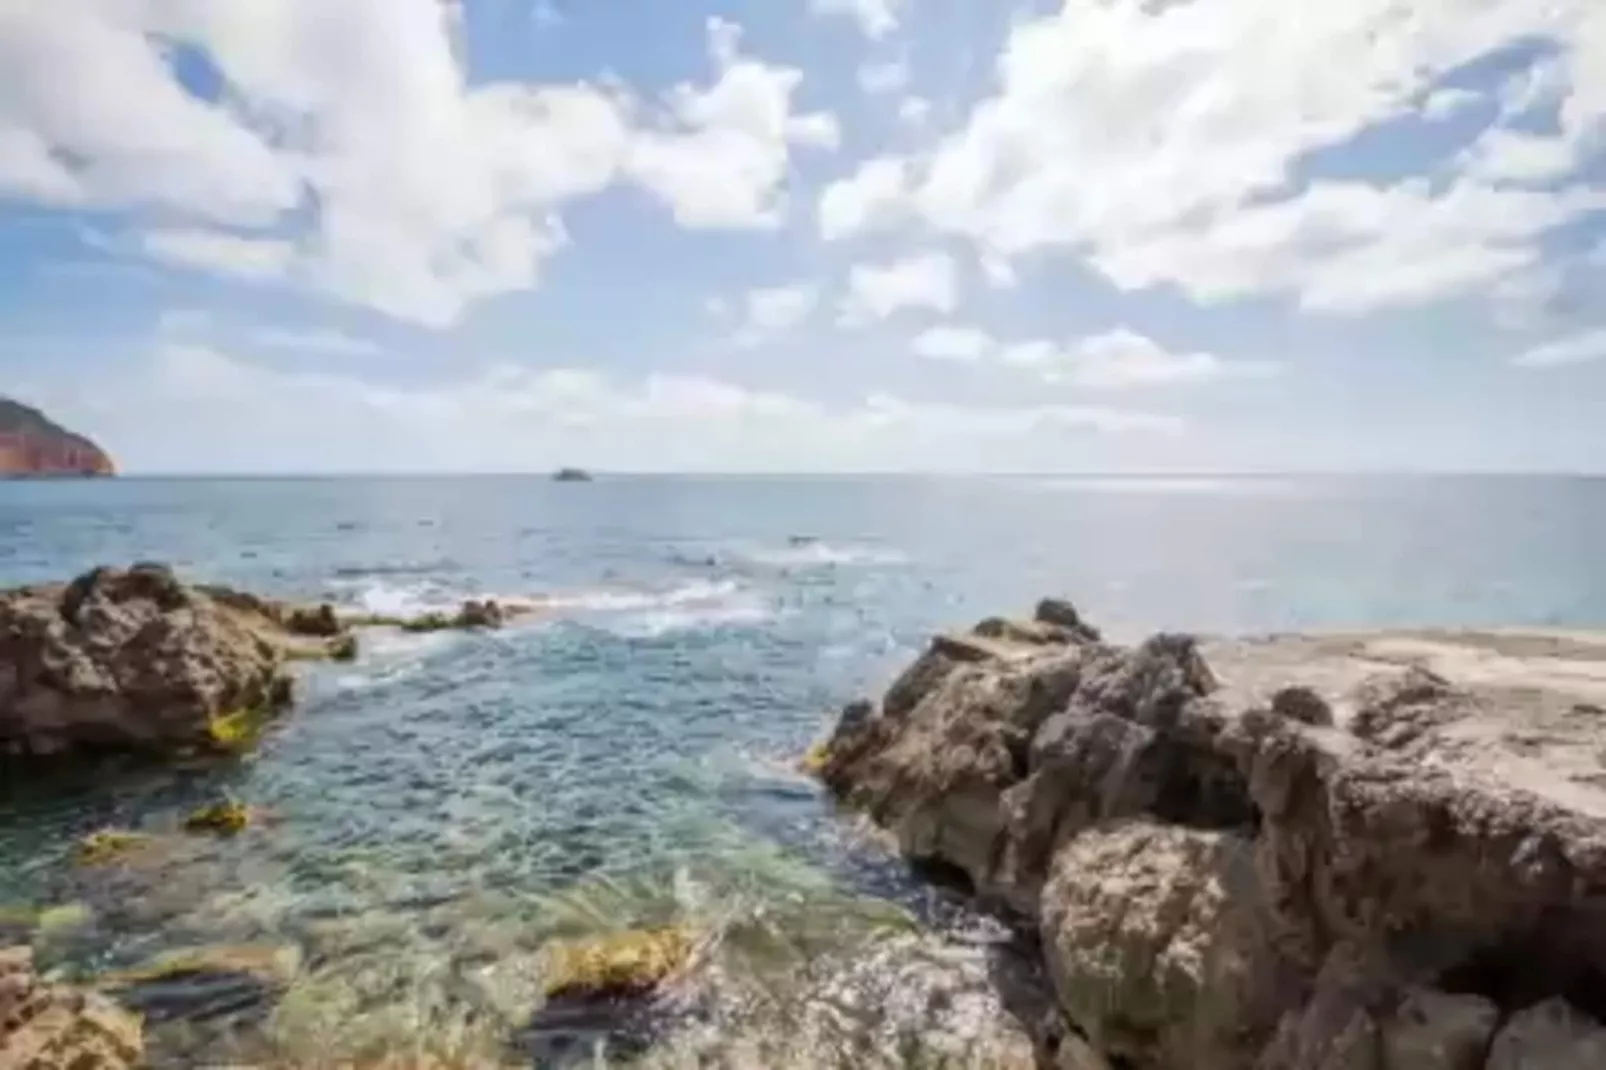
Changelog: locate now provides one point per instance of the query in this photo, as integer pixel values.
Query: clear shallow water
(444, 782)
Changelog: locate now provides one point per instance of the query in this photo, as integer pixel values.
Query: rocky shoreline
(135, 662)
(1369, 852)
(1362, 852)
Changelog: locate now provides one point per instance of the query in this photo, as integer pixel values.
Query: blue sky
(402, 235)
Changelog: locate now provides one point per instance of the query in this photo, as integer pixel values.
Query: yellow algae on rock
(235, 732)
(814, 759)
(625, 963)
(223, 818)
(110, 845)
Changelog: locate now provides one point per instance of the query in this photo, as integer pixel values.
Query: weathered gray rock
(1416, 824)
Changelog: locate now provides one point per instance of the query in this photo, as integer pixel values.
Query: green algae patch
(629, 963)
(271, 966)
(227, 818)
(111, 845)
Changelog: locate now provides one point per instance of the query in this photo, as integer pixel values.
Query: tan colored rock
(126, 661)
(55, 1027)
(1151, 940)
(1550, 1036)
(1410, 812)
(1432, 1030)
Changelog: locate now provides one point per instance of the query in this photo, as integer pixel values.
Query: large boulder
(54, 1027)
(1355, 853)
(128, 660)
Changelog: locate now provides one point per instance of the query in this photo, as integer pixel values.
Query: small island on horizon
(571, 475)
(33, 446)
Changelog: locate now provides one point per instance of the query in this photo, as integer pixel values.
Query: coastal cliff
(31, 444)
(1369, 852)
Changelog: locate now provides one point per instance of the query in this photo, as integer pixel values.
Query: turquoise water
(703, 631)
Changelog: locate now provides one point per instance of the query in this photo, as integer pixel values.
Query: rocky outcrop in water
(31, 444)
(1302, 853)
(54, 1027)
(128, 661)
(134, 660)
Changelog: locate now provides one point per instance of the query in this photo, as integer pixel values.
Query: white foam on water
(388, 599)
(816, 554)
(623, 600)
(661, 622)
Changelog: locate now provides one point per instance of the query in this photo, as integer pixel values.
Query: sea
(425, 809)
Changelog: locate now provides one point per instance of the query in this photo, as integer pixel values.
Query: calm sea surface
(703, 632)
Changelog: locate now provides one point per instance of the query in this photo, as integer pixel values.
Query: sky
(809, 235)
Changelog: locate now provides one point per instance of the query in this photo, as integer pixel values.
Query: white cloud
(952, 343)
(774, 310)
(255, 259)
(1114, 360)
(1165, 142)
(316, 340)
(723, 162)
(1442, 104)
(914, 111)
(350, 135)
(877, 18)
(1122, 359)
(1351, 247)
(871, 198)
(197, 408)
(1580, 348)
(887, 77)
(921, 281)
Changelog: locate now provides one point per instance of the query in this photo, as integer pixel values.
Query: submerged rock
(55, 1027)
(614, 965)
(112, 845)
(207, 982)
(226, 818)
(1364, 852)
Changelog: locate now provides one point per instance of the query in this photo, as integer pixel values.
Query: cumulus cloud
(1167, 143)
(723, 160)
(319, 341)
(192, 407)
(256, 259)
(348, 150)
(921, 281)
(1113, 360)
(952, 343)
(877, 18)
(887, 77)
(871, 198)
(1580, 348)
(771, 311)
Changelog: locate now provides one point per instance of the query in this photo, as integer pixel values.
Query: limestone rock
(126, 661)
(1431, 1030)
(1550, 1036)
(1416, 823)
(1150, 936)
(55, 1027)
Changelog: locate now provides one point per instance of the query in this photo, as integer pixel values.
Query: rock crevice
(1362, 852)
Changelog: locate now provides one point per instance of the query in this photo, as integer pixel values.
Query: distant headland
(33, 445)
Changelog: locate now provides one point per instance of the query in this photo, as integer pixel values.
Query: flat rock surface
(1532, 713)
